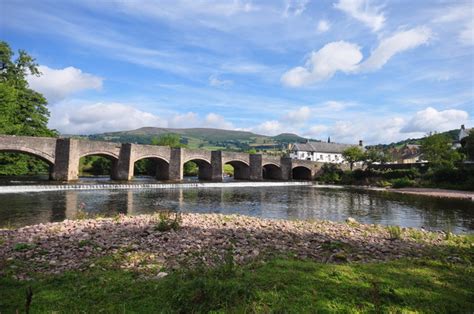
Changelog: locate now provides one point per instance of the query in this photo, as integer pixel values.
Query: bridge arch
(271, 171)
(241, 169)
(106, 165)
(301, 173)
(204, 167)
(152, 165)
(31, 152)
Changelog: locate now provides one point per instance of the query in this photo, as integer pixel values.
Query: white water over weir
(64, 187)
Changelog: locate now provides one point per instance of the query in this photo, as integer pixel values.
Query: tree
(170, 139)
(352, 155)
(468, 146)
(437, 149)
(23, 111)
(373, 155)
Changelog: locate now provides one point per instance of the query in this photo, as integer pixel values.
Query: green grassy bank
(280, 285)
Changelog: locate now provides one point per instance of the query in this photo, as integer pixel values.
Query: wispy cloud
(363, 11)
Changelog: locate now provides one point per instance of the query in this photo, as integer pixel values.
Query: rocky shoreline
(135, 243)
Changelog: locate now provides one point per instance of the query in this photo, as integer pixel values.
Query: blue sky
(380, 71)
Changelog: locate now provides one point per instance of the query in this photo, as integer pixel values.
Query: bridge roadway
(63, 155)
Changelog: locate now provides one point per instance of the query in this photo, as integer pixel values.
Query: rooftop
(321, 147)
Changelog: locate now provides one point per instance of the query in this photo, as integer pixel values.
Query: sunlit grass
(281, 285)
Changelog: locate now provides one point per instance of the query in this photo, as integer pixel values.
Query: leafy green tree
(353, 154)
(170, 139)
(437, 149)
(23, 111)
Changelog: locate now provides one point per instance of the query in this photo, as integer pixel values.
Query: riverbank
(436, 193)
(232, 263)
(432, 192)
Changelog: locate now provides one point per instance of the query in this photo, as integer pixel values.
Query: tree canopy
(23, 111)
(170, 139)
(437, 149)
(353, 154)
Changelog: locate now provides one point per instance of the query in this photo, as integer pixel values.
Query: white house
(320, 151)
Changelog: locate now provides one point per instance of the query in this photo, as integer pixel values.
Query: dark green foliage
(331, 173)
(13, 164)
(468, 146)
(402, 183)
(95, 165)
(23, 111)
(190, 169)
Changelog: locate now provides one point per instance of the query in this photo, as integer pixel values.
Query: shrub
(167, 222)
(331, 173)
(395, 232)
(402, 183)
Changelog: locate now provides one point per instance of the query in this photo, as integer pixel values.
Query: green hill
(205, 138)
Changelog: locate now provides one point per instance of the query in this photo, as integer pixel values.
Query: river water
(279, 202)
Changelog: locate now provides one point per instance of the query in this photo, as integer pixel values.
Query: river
(279, 202)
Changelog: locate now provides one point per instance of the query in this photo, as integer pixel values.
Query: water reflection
(292, 202)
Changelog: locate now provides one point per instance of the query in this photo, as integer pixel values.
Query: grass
(280, 285)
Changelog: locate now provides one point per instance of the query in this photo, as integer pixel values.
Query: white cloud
(57, 84)
(214, 120)
(298, 116)
(394, 44)
(430, 119)
(295, 7)
(346, 57)
(316, 131)
(323, 26)
(466, 36)
(461, 16)
(271, 127)
(324, 63)
(179, 120)
(363, 11)
(215, 81)
(73, 118)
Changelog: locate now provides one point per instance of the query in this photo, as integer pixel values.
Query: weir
(64, 187)
(63, 155)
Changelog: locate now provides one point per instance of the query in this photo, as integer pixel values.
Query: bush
(167, 222)
(400, 173)
(331, 173)
(395, 232)
(402, 183)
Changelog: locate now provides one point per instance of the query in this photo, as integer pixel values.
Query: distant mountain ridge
(206, 138)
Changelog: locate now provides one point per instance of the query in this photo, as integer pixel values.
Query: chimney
(329, 139)
(462, 127)
(361, 143)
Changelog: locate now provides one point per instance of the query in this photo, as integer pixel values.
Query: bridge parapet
(42, 147)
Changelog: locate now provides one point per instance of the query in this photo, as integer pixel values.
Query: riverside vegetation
(203, 263)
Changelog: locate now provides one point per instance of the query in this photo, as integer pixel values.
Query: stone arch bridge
(63, 155)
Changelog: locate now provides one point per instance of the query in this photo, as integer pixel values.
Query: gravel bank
(205, 239)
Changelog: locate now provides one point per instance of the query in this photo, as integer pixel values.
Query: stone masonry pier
(63, 155)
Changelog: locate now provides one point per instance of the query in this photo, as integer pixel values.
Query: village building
(408, 154)
(463, 133)
(320, 151)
